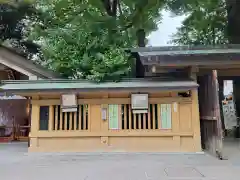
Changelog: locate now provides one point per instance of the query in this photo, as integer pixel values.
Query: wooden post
(236, 88)
(211, 127)
(217, 114)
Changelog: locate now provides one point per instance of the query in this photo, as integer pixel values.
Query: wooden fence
(158, 117)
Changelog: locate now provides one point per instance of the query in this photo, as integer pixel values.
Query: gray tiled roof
(81, 85)
(183, 49)
(188, 55)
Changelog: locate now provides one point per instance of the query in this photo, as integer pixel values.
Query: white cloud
(166, 28)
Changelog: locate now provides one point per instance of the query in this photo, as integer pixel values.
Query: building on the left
(15, 110)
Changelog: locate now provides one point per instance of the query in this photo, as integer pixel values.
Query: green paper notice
(113, 116)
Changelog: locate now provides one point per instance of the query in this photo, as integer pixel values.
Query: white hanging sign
(139, 103)
(69, 103)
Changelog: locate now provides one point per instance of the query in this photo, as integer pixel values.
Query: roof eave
(182, 48)
(30, 66)
(84, 90)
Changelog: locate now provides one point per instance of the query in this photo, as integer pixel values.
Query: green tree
(217, 20)
(15, 17)
(87, 39)
(205, 24)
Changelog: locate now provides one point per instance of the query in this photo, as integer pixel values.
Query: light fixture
(154, 69)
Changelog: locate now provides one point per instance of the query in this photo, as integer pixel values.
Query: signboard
(139, 103)
(69, 103)
(166, 116)
(229, 113)
(104, 114)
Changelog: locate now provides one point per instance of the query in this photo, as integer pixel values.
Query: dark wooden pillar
(236, 95)
(221, 98)
(211, 127)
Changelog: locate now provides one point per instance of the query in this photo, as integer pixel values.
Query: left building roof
(9, 55)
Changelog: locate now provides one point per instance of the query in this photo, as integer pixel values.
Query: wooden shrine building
(158, 111)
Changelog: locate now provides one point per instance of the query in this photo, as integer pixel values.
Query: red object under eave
(5, 140)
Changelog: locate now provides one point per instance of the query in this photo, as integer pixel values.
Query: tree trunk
(141, 43)
(233, 16)
(141, 37)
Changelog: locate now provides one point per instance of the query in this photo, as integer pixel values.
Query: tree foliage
(218, 19)
(80, 39)
(87, 39)
(15, 18)
(205, 24)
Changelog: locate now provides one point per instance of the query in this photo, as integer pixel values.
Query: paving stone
(182, 172)
(17, 164)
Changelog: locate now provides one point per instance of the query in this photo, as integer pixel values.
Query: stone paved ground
(17, 164)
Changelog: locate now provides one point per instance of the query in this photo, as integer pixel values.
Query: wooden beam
(120, 133)
(49, 102)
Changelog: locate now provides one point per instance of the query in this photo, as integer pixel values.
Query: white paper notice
(175, 106)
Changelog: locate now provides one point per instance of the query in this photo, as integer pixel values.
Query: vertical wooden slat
(84, 118)
(154, 116)
(163, 118)
(87, 118)
(140, 121)
(86, 110)
(51, 114)
(144, 121)
(80, 117)
(159, 115)
(149, 117)
(130, 117)
(65, 121)
(61, 120)
(56, 118)
(125, 116)
(119, 116)
(75, 121)
(134, 121)
(70, 120)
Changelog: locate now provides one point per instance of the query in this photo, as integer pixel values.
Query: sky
(166, 28)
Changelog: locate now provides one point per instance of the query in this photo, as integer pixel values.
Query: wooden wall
(12, 111)
(171, 124)
(3, 75)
